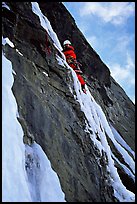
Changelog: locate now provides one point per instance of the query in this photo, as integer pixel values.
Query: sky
(109, 27)
(39, 183)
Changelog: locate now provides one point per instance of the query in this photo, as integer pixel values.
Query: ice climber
(70, 55)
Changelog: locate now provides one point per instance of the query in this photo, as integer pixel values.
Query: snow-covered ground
(39, 181)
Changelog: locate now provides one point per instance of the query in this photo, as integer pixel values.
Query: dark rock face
(49, 114)
(118, 107)
(67, 29)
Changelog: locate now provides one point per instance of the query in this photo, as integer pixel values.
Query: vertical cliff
(112, 98)
(49, 106)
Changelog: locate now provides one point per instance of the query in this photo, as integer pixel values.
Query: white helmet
(66, 42)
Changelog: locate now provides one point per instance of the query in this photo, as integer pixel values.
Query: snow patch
(19, 52)
(45, 74)
(120, 140)
(13, 151)
(7, 41)
(43, 181)
(5, 5)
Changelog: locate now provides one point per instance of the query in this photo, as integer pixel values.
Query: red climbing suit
(70, 58)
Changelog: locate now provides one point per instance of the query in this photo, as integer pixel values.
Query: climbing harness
(77, 65)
